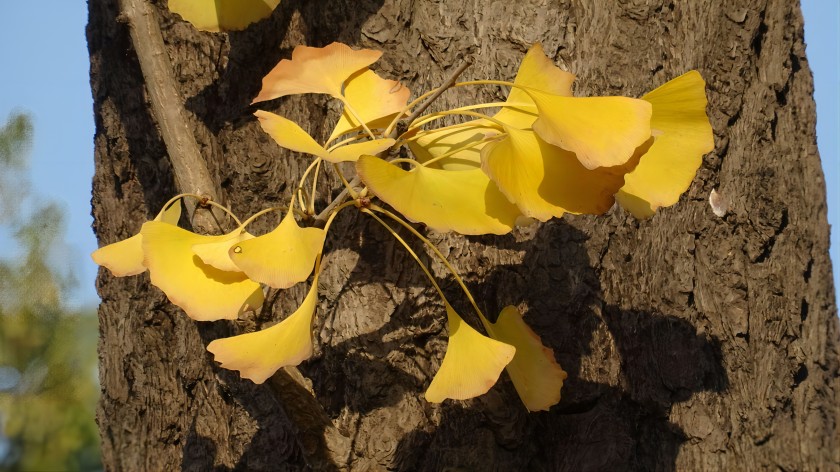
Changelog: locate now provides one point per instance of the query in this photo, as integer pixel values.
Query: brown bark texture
(692, 341)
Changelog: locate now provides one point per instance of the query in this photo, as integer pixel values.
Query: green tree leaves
(48, 387)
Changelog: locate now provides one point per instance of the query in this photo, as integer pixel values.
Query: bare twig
(449, 82)
(321, 219)
(191, 173)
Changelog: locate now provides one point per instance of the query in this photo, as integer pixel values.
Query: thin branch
(192, 176)
(321, 219)
(443, 87)
(191, 173)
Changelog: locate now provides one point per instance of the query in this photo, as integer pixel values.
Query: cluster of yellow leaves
(549, 153)
(543, 154)
(219, 277)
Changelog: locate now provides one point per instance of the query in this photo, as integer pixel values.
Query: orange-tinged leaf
(202, 291)
(223, 15)
(684, 135)
(281, 258)
(315, 70)
(289, 135)
(601, 131)
(545, 181)
(258, 355)
(536, 375)
(376, 100)
(463, 201)
(472, 363)
(215, 253)
(125, 257)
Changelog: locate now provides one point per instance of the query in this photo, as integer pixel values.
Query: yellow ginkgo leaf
(601, 131)
(315, 70)
(545, 181)
(374, 99)
(472, 363)
(258, 355)
(538, 72)
(202, 291)
(684, 135)
(223, 15)
(536, 375)
(216, 254)
(467, 201)
(125, 257)
(289, 135)
(281, 258)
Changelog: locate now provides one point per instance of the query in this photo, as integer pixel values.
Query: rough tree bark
(692, 341)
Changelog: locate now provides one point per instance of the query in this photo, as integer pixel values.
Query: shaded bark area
(692, 342)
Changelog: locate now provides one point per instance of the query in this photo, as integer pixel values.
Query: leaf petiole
(358, 118)
(201, 200)
(440, 256)
(347, 185)
(410, 251)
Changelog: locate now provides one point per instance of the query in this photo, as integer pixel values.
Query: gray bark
(692, 342)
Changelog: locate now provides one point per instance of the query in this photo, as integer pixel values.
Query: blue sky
(45, 62)
(45, 73)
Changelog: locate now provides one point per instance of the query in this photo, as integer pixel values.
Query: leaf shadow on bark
(623, 424)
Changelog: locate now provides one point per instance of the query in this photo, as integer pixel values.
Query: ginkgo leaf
(315, 70)
(601, 131)
(216, 254)
(281, 258)
(374, 99)
(202, 291)
(472, 363)
(258, 355)
(125, 257)
(537, 71)
(464, 201)
(536, 375)
(545, 181)
(223, 15)
(684, 135)
(289, 135)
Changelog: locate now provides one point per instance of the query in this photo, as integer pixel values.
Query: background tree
(692, 341)
(48, 388)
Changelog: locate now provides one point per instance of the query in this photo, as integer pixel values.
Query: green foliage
(15, 138)
(48, 385)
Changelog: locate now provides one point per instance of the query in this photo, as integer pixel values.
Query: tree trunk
(692, 341)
